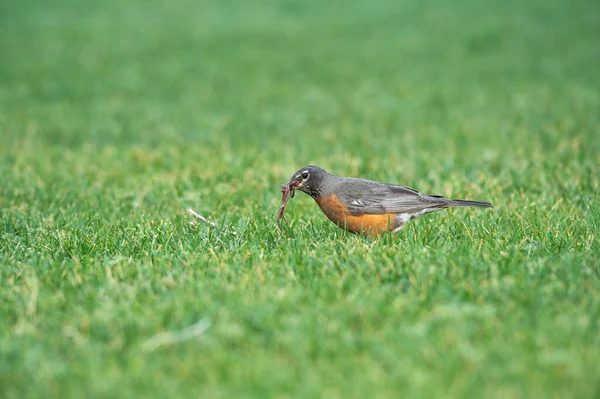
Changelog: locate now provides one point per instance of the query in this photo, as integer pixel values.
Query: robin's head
(310, 180)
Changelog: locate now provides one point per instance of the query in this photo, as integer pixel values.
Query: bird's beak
(295, 183)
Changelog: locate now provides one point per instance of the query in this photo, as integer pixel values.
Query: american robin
(366, 206)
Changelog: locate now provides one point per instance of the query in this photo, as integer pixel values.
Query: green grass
(117, 116)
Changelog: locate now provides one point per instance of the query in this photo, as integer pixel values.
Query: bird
(369, 207)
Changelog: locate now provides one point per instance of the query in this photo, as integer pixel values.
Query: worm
(288, 191)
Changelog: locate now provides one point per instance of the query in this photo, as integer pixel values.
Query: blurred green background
(116, 116)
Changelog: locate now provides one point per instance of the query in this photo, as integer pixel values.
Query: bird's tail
(480, 204)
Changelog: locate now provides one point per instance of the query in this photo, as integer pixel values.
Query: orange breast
(337, 212)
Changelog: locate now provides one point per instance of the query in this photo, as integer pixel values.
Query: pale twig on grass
(200, 217)
(205, 220)
(174, 337)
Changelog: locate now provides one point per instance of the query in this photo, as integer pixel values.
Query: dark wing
(379, 198)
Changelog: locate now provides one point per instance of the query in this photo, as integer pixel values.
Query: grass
(117, 116)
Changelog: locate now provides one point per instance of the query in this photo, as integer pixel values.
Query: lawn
(118, 116)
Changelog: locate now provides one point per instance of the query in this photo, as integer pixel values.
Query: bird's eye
(305, 175)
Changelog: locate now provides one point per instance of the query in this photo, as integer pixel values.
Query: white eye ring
(305, 175)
